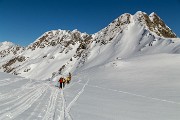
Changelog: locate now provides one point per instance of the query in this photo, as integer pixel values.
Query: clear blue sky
(22, 21)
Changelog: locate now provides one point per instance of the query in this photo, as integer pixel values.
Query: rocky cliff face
(152, 22)
(63, 37)
(155, 24)
(7, 50)
(61, 51)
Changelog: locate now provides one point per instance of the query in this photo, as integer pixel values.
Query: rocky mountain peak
(155, 24)
(6, 45)
(115, 27)
(9, 48)
(151, 22)
(55, 37)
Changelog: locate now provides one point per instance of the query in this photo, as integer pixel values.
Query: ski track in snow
(72, 84)
(67, 110)
(40, 100)
(15, 92)
(9, 81)
(4, 80)
(52, 103)
(51, 106)
(19, 97)
(62, 111)
(16, 101)
(136, 95)
(41, 107)
(35, 110)
(22, 105)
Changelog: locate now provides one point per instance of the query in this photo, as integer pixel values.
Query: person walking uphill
(68, 79)
(61, 83)
(64, 82)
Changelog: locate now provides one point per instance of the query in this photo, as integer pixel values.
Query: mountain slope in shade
(61, 51)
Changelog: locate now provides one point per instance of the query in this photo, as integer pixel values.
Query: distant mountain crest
(155, 24)
(54, 37)
(6, 45)
(7, 48)
(152, 23)
(62, 51)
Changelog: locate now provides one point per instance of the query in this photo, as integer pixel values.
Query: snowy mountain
(129, 70)
(48, 53)
(7, 51)
(8, 48)
(61, 51)
(5, 45)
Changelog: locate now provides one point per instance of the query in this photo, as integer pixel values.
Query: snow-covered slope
(139, 88)
(61, 51)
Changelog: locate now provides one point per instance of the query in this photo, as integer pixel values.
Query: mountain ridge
(63, 51)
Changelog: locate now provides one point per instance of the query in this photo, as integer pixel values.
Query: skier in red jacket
(61, 83)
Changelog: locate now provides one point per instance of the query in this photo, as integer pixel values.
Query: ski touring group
(64, 80)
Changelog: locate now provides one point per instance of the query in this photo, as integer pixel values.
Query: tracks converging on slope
(65, 109)
(35, 100)
(22, 105)
(41, 101)
(10, 81)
